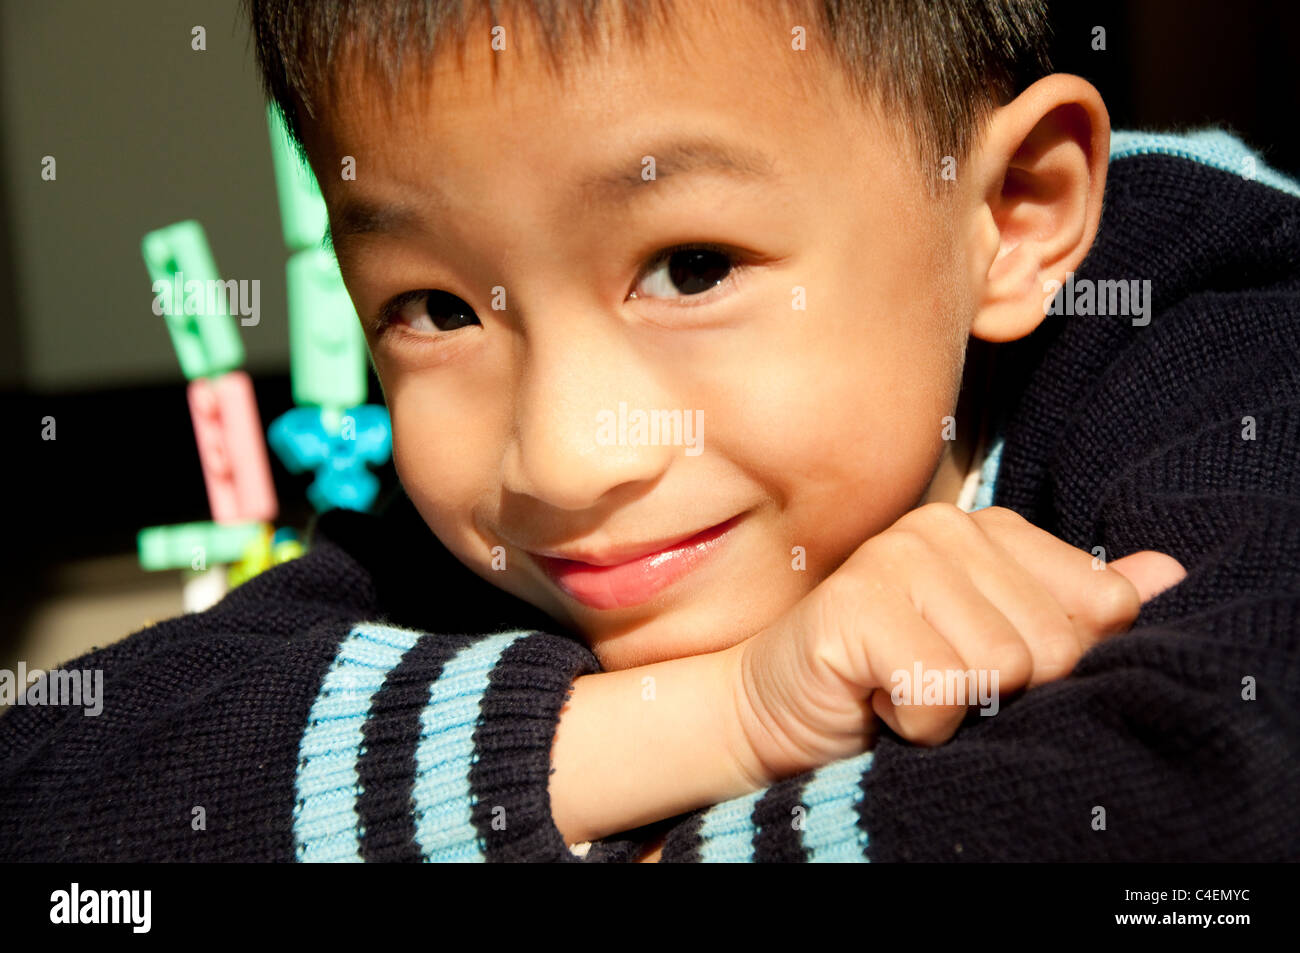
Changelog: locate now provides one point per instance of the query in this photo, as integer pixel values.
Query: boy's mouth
(629, 575)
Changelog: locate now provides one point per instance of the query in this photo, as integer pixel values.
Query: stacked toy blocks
(331, 431)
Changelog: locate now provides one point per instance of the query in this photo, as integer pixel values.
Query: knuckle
(849, 593)
(1013, 662)
(999, 517)
(932, 518)
(1112, 603)
(902, 544)
(1058, 650)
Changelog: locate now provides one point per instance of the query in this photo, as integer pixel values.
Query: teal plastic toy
(179, 546)
(206, 340)
(303, 440)
(302, 209)
(327, 349)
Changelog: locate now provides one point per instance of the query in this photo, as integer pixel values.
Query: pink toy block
(232, 450)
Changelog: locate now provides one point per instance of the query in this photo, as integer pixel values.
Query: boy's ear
(1039, 172)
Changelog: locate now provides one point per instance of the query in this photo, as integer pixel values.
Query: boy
(785, 221)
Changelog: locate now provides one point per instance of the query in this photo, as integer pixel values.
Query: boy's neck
(950, 475)
(972, 411)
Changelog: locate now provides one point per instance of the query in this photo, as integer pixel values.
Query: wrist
(777, 716)
(644, 744)
(742, 725)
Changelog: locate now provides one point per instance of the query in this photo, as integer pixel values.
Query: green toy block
(195, 546)
(327, 348)
(302, 209)
(188, 295)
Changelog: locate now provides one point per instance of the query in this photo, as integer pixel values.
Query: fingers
(933, 620)
(1098, 601)
(902, 640)
(976, 593)
(1057, 599)
(1150, 572)
(1041, 642)
(863, 632)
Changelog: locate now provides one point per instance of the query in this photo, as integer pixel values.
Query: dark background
(147, 131)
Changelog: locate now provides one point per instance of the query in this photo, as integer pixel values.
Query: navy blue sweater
(375, 700)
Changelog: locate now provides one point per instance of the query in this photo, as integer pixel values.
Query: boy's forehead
(726, 92)
(512, 54)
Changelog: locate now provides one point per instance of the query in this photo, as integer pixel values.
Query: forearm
(643, 744)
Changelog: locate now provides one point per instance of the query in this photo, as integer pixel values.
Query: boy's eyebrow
(360, 217)
(678, 157)
(615, 185)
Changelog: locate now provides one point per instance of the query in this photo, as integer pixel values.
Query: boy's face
(821, 424)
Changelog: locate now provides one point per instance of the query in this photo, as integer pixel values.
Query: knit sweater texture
(374, 700)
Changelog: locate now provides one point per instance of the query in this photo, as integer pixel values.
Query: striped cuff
(423, 747)
(814, 818)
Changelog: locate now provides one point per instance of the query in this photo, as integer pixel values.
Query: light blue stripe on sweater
(1212, 147)
(326, 826)
(444, 828)
(988, 476)
(831, 833)
(727, 831)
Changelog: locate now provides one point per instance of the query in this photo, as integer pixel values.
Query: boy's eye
(690, 270)
(431, 311)
(686, 271)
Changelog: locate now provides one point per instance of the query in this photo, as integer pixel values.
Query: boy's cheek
(441, 486)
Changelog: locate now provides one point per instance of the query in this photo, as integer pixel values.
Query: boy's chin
(677, 632)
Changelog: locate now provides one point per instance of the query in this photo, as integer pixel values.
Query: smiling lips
(629, 583)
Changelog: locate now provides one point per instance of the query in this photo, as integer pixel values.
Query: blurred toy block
(232, 451)
(302, 209)
(303, 440)
(186, 285)
(263, 552)
(327, 350)
(194, 546)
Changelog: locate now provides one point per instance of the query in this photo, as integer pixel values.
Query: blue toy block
(303, 441)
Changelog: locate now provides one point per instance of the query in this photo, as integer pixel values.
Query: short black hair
(944, 65)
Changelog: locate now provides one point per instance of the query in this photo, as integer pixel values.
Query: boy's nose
(567, 448)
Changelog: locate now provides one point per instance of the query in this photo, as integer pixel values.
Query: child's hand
(955, 591)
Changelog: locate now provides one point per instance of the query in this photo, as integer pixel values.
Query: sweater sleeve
(434, 748)
(274, 728)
